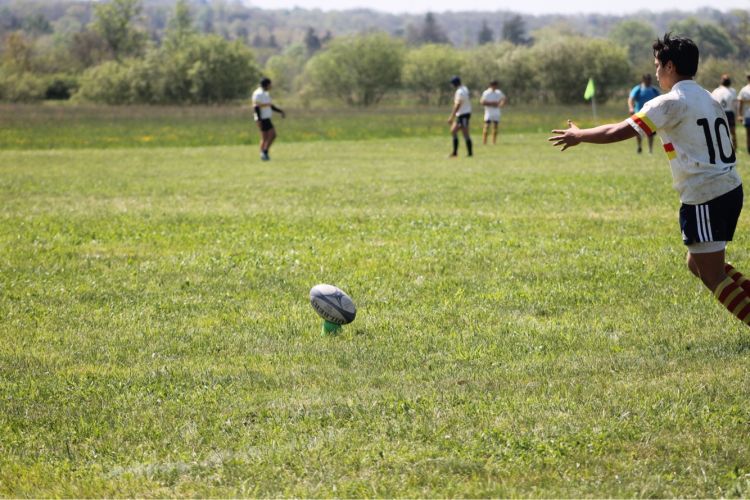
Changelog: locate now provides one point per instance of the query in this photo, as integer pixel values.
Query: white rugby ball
(332, 304)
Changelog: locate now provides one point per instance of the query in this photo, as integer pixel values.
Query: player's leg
(638, 138)
(650, 143)
(747, 134)
(263, 142)
(706, 229)
(711, 270)
(709, 267)
(266, 144)
(737, 277)
(271, 138)
(494, 132)
(454, 135)
(485, 130)
(467, 136)
(732, 123)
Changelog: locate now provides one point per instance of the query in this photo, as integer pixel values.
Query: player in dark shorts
(460, 116)
(264, 108)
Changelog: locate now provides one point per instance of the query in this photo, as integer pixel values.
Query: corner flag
(590, 90)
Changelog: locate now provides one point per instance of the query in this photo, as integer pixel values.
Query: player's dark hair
(455, 81)
(646, 77)
(494, 83)
(682, 51)
(265, 82)
(725, 80)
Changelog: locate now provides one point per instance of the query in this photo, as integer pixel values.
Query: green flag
(590, 91)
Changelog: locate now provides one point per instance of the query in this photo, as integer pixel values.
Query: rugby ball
(332, 304)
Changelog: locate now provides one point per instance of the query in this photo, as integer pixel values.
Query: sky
(536, 7)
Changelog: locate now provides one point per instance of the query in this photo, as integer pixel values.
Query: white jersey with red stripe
(693, 128)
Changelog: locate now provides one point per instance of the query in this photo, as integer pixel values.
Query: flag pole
(593, 108)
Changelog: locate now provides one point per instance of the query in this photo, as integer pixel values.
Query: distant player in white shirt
(727, 97)
(264, 108)
(744, 110)
(492, 99)
(696, 138)
(460, 116)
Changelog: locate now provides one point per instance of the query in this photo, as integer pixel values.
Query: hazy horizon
(534, 7)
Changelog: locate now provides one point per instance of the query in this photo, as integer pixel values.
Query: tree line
(114, 59)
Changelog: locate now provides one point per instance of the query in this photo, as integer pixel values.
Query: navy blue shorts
(265, 124)
(714, 220)
(463, 120)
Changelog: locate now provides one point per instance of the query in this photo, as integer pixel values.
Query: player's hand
(566, 138)
(450, 120)
(631, 110)
(283, 115)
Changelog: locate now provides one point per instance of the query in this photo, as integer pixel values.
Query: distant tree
(359, 70)
(326, 38)
(37, 24)
(711, 69)
(272, 42)
(637, 37)
(240, 32)
(479, 65)
(208, 70)
(115, 22)
(180, 28)
(428, 69)
(486, 35)
(737, 25)
(432, 32)
(711, 38)
(563, 67)
(88, 48)
(514, 30)
(9, 21)
(312, 42)
(17, 53)
(284, 69)
(558, 30)
(205, 19)
(258, 41)
(518, 74)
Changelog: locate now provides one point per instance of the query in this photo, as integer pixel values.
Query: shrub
(359, 70)
(21, 87)
(108, 83)
(428, 70)
(564, 66)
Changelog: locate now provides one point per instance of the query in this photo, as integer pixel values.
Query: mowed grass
(526, 325)
(60, 125)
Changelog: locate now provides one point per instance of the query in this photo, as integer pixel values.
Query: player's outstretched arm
(603, 134)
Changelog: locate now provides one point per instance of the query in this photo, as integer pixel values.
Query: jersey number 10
(719, 124)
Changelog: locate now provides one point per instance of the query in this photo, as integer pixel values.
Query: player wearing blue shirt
(640, 95)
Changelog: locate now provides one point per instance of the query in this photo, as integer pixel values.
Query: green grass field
(526, 324)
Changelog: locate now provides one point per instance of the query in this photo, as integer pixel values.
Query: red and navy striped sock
(734, 298)
(737, 277)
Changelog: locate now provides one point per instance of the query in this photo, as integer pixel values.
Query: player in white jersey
(696, 138)
(460, 116)
(492, 99)
(727, 97)
(744, 99)
(264, 109)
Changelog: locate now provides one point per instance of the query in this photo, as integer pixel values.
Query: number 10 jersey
(693, 129)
